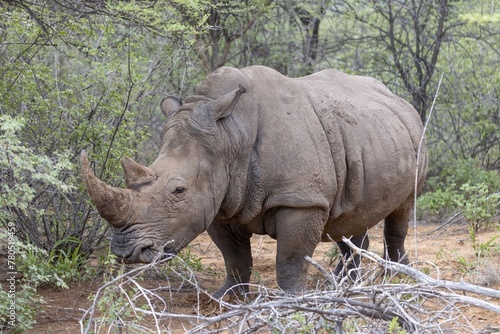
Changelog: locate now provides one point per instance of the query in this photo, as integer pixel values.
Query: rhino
(303, 160)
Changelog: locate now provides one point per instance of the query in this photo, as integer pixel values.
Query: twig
(326, 275)
(422, 138)
(448, 223)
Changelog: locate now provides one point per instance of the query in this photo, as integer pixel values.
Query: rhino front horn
(112, 203)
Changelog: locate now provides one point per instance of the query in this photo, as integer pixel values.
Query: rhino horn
(220, 107)
(112, 203)
(136, 174)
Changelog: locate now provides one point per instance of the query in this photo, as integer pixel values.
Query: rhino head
(167, 205)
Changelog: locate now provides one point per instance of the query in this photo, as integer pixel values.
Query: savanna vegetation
(90, 75)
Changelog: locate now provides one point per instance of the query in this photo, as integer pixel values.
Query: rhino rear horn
(112, 203)
(136, 174)
(221, 107)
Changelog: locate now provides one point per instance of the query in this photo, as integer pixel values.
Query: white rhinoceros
(302, 160)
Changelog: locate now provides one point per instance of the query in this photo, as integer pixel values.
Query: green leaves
(23, 170)
(440, 202)
(478, 204)
(26, 307)
(481, 18)
(466, 187)
(62, 89)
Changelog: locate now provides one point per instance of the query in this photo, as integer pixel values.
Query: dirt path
(449, 249)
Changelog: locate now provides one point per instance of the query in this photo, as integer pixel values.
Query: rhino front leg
(234, 243)
(298, 232)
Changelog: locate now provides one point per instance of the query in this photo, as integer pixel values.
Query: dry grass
(487, 273)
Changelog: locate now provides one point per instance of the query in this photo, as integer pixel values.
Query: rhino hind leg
(234, 244)
(395, 230)
(349, 262)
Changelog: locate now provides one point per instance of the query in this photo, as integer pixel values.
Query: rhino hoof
(233, 290)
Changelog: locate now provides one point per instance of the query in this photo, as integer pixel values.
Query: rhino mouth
(130, 247)
(139, 253)
(145, 252)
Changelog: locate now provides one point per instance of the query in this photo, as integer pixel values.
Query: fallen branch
(420, 304)
(452, 220)
(422, 278)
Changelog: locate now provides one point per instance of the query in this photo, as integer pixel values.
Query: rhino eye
(179, 190)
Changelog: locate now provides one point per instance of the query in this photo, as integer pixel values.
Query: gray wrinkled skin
(302, 160)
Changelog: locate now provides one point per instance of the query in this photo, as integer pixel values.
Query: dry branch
(421, 304)
(431, 282)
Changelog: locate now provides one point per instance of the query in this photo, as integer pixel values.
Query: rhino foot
(231, 289)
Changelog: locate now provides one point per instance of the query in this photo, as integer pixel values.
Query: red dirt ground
(64, 308)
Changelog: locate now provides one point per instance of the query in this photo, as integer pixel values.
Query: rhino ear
(136, 174)
(170, 106)
(221, 107)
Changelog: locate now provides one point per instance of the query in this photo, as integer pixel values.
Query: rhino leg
(234, 243)
(349, 261)
(298, 232)
(395, 230)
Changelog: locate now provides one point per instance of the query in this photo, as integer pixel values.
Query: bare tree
(409, 34)
(310, 19)
(226, 23)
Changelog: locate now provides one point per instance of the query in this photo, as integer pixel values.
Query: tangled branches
(388, 297)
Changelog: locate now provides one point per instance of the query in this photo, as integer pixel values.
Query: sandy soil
(449, 249)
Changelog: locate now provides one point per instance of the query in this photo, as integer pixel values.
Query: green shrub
(465, 187)
(479, 206)
(464, 171)
(74, 89)
(18, 308)
(23, 170)
(185, 260)
(440, 202)
(56, 268)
